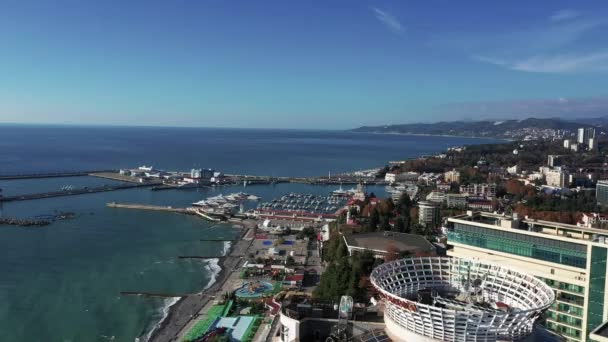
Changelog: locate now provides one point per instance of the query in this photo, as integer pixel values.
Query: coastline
(187, 308)
(436, 135)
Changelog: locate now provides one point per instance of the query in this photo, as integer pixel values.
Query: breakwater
(72, 192)
(23, 222)
(52, 174)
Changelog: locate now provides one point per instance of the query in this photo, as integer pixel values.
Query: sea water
(62, 282)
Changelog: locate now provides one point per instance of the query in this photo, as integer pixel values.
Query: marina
(299, 204)
(225, 205)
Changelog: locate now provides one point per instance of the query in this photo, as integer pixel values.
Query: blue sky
(300, 64)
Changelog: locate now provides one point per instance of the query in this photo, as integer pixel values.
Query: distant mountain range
(532, 127)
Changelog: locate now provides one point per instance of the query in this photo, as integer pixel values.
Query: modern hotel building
(570, 259)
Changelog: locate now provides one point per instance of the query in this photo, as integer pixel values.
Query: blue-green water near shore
(62, 282)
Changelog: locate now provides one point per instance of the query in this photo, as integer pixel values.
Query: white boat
(201, 203)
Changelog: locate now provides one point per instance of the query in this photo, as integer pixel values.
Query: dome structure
(451, 299)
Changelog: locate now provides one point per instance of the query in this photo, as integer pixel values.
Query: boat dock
(72, 192)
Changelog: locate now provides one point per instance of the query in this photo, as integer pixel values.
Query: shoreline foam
(165, 309)
(218, 269)
(215, 269)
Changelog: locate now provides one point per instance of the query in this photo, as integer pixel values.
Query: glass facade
(601, 193)
(563, 286)
(569, 309)
(570, 298)
(561, 329)
(562, 252)
(597, 286)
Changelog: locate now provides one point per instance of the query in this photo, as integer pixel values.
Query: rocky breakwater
(23, 222)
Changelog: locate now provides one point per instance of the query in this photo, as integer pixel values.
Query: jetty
(148, 207)
(200, 257)
(52, 174)
(218, 240)
(72, 192)
(154, 294)
(188, 211)
(113, 175)
(205, 216)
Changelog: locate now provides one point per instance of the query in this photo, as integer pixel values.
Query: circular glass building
(450, 299)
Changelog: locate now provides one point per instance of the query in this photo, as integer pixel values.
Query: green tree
(384, 223)
(374, 220)
(341, 250)
(403, 205)
(401, 226)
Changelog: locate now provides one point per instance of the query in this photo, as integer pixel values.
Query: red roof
(274, 307)
(295, 277)
(501, 305)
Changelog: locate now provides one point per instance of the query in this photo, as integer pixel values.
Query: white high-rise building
(195, 173)
(428, 214)
(584, 134)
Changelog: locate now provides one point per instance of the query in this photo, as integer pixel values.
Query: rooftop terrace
(381, 241)
(532, 225)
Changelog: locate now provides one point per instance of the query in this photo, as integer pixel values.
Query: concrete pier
(82, 191)
(51, 174)
(200, 257)
(154, 294)
(148, 207)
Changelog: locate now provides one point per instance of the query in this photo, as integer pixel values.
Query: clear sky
(299, 64)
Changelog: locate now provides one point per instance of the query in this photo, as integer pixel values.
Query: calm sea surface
(62, 282)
